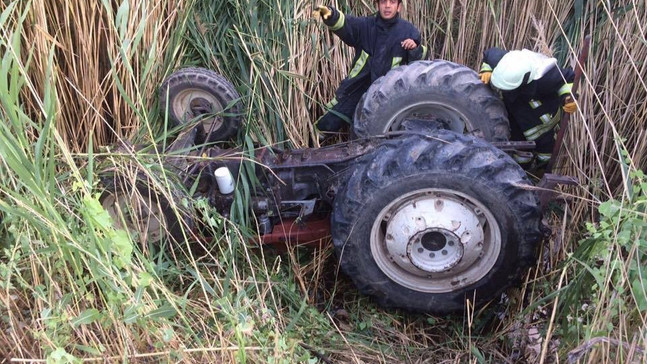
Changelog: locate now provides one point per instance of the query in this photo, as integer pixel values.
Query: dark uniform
(534, 107)
(378, 49)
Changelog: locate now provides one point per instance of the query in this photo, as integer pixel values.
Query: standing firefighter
(533, 88)
(382, 42)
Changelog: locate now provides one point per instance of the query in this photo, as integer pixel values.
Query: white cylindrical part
(225, 180)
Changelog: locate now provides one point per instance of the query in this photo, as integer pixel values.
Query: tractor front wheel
(192, 94)
(143, 212)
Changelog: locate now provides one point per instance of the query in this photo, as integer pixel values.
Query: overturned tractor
(425, 207)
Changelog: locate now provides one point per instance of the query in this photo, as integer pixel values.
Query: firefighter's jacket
(534, 105)
(377, 44)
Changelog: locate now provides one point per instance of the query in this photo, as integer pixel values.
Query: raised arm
(346, 27)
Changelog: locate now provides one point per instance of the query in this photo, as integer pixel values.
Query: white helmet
(511, 70)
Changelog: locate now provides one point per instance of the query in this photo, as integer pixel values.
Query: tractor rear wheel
(444, 94)
(425, 223)
(197, 93)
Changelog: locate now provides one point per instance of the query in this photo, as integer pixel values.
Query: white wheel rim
(435, 240)
(193, 102)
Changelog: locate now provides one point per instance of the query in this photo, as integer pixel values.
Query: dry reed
(109, 58)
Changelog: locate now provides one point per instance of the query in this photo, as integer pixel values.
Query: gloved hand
(569, 105)
(322, 11)
(408, 44)
(485, 77)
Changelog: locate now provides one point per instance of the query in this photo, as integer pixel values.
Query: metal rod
(563, 125)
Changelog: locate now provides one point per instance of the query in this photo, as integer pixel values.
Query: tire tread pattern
(457, 81)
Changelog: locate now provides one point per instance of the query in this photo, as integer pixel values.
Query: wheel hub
(194, 102)
(200, 106)
(435, 240)
(435, 250)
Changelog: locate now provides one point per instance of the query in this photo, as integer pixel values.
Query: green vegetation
(78, 78)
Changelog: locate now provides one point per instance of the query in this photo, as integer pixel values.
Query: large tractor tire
(142, 211)
(426, 222)
(445, 94)
(192, 94)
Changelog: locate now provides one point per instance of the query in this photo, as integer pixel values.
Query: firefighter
(382, 41)
(533, 88)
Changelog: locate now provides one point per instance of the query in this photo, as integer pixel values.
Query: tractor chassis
(296, 188)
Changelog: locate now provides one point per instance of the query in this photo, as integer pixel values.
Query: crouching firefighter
(382, 41)
(533, 88)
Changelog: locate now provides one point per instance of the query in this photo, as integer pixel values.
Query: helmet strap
(526, 77)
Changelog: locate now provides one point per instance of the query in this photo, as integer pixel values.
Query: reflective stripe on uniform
(332, 103)
(544, 157)
(357, 68)
(396, 62)
(539, 130)
(521, 159)
(566, 89)
(340, 22)
(486, 67)
(535, 104)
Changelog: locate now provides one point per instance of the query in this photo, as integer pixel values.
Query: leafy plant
(609, 286)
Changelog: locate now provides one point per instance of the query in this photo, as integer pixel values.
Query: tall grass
(77, 76)
(109, 58)
(74, 286)
(267, 48)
